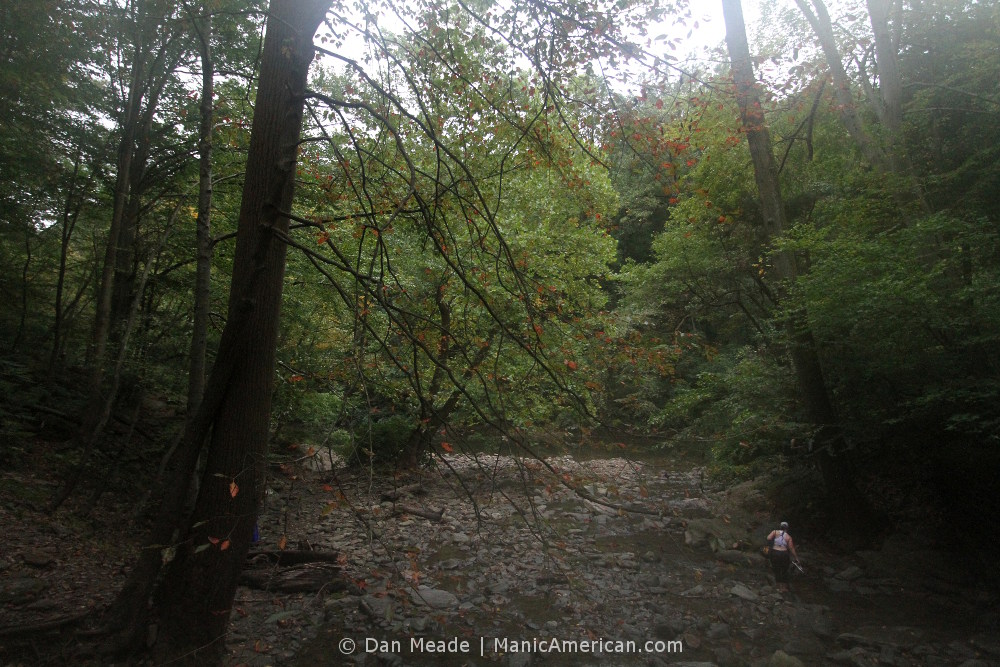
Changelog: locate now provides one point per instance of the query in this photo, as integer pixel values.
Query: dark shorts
(781, 562)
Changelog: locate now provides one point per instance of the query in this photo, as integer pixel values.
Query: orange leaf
(296, 378)
(570, 364)
(327, 487)
(311, 451)
(446, 447)
(643, 492)
(233, 488)
(282, 543)
(224, 545)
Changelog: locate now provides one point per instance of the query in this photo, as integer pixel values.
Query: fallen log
(48, 625)
(430, 515)
(306, 578)
(294, 557)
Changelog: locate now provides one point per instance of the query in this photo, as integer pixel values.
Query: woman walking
(782, 554)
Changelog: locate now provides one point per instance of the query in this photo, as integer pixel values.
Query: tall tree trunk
(129, 125)
(126, 257)
(823, 27)
(25, 272)
(70, 214)
(203, 229)
(195, 597)
(889, 83)
(837, 474)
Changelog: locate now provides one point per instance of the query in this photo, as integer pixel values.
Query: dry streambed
(501, 554)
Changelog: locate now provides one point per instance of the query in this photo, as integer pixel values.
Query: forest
(237, 235)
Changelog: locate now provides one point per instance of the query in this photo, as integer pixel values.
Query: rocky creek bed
(502, 554)
(644, 554)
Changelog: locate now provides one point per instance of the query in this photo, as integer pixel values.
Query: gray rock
(707, 532)
(855, 656)
(744, 593)
(782, 659)
(419, 624)
(39, 558)
(804, 646)
(379, 609)
(850, 574)
(518, 660)
(44, 604)
(838, 585)
(648, 580)
(718, 631)
(734, 557)
(21, 589)
(434, 598)
(897, 637)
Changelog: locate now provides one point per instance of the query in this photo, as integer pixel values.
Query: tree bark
(70, 214)
(203, 231)
(195, 598)
(830, 446)
(129, 125)
(846, 107)
(886, 58)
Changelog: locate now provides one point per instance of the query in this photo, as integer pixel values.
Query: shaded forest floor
(489, 548)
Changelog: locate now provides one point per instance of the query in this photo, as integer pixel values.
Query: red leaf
(446, 447)
(213, 540)
(224, 545)
(233, 488)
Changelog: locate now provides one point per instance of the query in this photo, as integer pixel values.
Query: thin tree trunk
(124, 278)
(105, 290)
(823, 27)
(203, 231)
(837, 475)
(69, 218)
(24, 289)
(106, 407)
